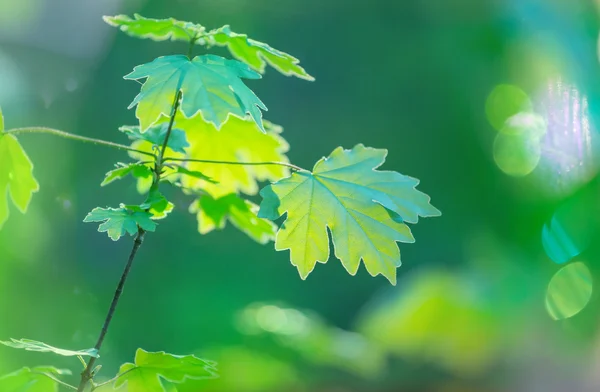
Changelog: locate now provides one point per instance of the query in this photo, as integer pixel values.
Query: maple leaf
(214, 213)
(364, 209)
(118, 221)
(257, 54)
(16, 175)
(37, 379)
(209, 84)
(156, 29)
(149, 369)
(237, 141)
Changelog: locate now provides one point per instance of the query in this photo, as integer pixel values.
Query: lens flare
(569, 291)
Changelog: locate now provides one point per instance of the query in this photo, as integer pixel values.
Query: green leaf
(257, 54)
(157, 204)
(1, 121)
(35, 379)
(194, 174)
(214, 213)
(137, 170)
(149, 369)
(156, 135)
(16, 176)
(156, 29)
(33, 345)
(364, 210)
(238, 140)
(209, 84)
(118, 221)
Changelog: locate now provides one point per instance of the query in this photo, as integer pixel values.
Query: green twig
(291, 166)
(64, 384)
(71, 136)
(87, 375)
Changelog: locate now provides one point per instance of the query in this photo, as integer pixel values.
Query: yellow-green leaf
(150, 369)
(214, 213)
(238, 140)
(35, 379)
(364, 210)
(209, 84)
(118, 221)
(156, 29)
(257, 54)
(34, 345)
(16, 176)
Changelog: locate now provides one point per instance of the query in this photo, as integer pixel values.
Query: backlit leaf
(137, 170)
(194, 174)
(214, 213)
(32, 379)
(210, 84)
(157, 205)
(118, 221)
(257, 54)
(156, 29)
(156, 135)
(364, 210)
(150, 369)
(238, 140)
(16, 176)
(33, 345)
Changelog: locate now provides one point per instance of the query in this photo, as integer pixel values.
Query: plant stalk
(71, 136)
(87, 374)
(290, 165)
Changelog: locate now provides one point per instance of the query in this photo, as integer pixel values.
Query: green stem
(291, 166)
(87, 375)
(57, 380)
(71, 136)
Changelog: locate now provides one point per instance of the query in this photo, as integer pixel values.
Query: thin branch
(174, 108)
(57, 380)
(71, 136)
(115, 378)
(87, 375)
(291, 166)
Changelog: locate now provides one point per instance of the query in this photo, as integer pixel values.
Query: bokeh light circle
(517, 154)
(504, 102)
(569, 291)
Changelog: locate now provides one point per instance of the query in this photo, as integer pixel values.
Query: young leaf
(156, 29)
(137, 170)
(37, 379)
(363, 208)
(157, 205)
(238, 140)
(118, 221)
(257, 54)
(210, 84)
(149, 369)
(33, 345)
(214, 213)
(16, 176)
(156, 135)
(194, 174)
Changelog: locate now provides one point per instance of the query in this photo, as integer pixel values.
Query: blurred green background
(492, 104)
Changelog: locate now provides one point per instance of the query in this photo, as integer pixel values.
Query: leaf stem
(291, 166)
(57, 380)
(175, 106)
(71, 136)
(87, 375)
